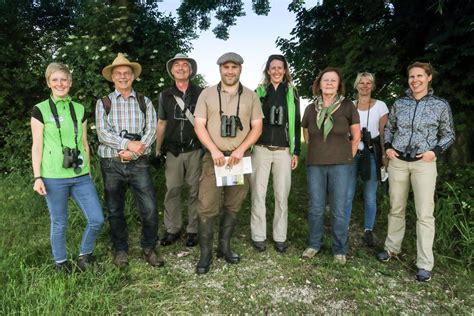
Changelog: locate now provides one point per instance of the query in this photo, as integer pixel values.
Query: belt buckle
(124, 161)
(272, 148)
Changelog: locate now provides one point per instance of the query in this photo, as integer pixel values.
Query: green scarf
(324, 114)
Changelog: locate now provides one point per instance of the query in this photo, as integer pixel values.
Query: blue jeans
(83, 192)
(117, 178)
(369, 191)
(331, 179)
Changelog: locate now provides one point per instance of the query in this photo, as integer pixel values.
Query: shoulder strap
(183, 108)
(107, 104)
(141, 102)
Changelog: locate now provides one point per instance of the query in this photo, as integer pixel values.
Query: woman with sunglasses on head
(369, 159)
(276, 151)
(60, 158)
(327, 125)
(419, 129)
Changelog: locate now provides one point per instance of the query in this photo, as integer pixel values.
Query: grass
(262, 283)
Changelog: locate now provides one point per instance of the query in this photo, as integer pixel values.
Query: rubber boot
(228, 221)
(206, 236)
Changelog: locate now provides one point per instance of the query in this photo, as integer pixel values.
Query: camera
(133, 137)
(366, 138)
(276, 115)
(410, 152)
(72, 159)
(229, 125)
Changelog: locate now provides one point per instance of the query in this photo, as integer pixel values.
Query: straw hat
(120, 60)
(169, 64)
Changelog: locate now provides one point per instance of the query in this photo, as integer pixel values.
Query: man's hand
(126, 155)
(137, 147)
(235, 157)
(294, 162)
(218, 158)
(427, 156)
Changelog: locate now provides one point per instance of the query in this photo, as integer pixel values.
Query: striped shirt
(124, 115)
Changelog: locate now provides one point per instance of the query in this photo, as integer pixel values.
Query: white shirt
(374, 113)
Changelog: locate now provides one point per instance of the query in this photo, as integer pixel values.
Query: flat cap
(230, 57)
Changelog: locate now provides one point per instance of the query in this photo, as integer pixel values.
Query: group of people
(199, 130)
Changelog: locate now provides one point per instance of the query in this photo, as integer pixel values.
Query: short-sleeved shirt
(208, 108)
(337, 149)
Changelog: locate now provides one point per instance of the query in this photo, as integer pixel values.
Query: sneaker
(191, 240)
(309, 253)
(84, 262)
(423, 275)
(121, 259)
(369, 238)
(280, 246)
(259, 245)
(169, 239)
(384, 256)
(340, 259)
(153, 258)
(63, 267)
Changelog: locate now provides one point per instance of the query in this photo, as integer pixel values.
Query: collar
(117, 94)
(67, 99)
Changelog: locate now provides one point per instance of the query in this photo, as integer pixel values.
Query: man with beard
(229, 104)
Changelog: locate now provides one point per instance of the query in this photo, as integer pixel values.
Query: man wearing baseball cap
(126, 127)
(175, 136)
(228, 120)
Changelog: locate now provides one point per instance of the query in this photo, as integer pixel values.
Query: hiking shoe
(121, 259)
(340, 259)
(280, 246)
(384, 256)
(423, 275)
(309, 253)
(191, 240)
(84, 262)
(169, 239)
(63, 267)
(369, 238)
(153, 258)
(259, 245)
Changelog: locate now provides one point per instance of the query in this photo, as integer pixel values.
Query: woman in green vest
(60, 158)
(276, 150)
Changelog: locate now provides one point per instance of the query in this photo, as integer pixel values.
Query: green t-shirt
(52, 160)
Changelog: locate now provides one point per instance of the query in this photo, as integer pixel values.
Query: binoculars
(276, 115)
(133, 137)
(72, 159)
(410, 152)
(229, 125)
(366, 137)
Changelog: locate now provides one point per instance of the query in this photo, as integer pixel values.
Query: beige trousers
(422, 177)
(279, 163)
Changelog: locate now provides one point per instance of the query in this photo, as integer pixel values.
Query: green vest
(290, 101)
(52, 160)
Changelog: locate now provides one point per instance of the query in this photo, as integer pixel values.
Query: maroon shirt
(337, 149)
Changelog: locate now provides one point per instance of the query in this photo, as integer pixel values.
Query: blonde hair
(367, 75)
(53, 67)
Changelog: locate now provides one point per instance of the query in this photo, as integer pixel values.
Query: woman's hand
(391, 153)
(39, 187)
(294, 162)
(427, 156)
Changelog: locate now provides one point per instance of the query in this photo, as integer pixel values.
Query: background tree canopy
(379, 36)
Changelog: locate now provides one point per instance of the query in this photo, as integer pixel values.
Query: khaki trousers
(210, 193)
(422, 177)
(181, 170)
(279, 163)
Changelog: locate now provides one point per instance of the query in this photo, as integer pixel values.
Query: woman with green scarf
(331, 131)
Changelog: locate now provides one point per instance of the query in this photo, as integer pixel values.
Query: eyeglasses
(124, 74)
(365, 73)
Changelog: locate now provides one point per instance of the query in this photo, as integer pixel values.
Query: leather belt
(272, 148)
(117, 159)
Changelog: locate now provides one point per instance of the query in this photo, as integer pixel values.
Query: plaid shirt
(124, 115)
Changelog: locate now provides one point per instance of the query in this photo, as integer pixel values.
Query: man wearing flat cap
(126, 127)
(175, 134)
(228, 120)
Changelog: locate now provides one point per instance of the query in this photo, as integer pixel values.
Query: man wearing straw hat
(126, 127)
(175, 130)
